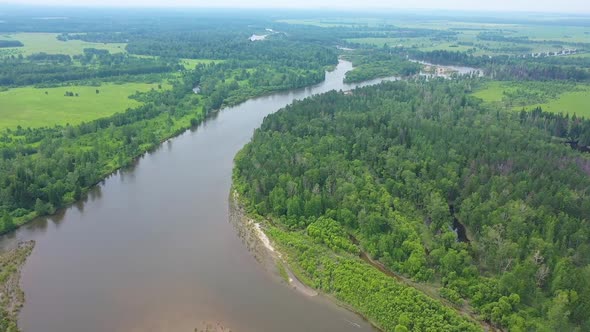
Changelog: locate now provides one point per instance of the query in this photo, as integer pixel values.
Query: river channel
(151, 247)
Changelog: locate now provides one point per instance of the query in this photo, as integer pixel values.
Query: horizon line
(304, 8)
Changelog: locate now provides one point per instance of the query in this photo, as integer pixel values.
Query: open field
(492, 91)
(577, 102)
(575, 99)
(48, 43)
(336, 22)
(465, 41)
(549, 38)
(422, 43)
(31, 107)
(191, 63)
(187, 63)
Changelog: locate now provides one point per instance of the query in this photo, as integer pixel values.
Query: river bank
(12, 298)
(259, 244)
(270, 252)
(274, 259)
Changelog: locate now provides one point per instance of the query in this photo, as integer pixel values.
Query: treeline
(500, 37)
(232, 42)
(10, 43)
(404, 167)
(234, 81)
(44, 169)
(225, 45)
(45, 68)
(232, 34)
(375, 63)
(576, 130)
(511, 68)
(529, 70)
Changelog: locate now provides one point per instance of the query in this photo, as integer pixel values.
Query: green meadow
(32, 107)
(464, 36)
(558, 97)
(577, 102)
(48, 43)
(492, 91)
(192, 63)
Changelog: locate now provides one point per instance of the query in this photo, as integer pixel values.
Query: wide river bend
(151, 248)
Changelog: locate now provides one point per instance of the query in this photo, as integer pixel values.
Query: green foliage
(46, 168)
(509, 68)
(385, 302)
(12, 298)
(41, 107)
(330, 233)
(375, 63)
(555, 97)
(10, 43)
(451, 295)
(401, 165)
(43, 68)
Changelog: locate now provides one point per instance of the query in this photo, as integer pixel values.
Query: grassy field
(573, 100)
(191, 63)
(337, 22)
(577, 102)
(31, 107)
(48, 43)
(493, 91)
(465, 37)
(469, 40)
(187, 63)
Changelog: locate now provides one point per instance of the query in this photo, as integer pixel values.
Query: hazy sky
(573, 6)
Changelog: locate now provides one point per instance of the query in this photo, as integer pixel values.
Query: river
(151, 247)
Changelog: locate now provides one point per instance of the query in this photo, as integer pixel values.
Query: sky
(572, 6)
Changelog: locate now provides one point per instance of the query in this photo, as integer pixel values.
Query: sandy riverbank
(252, 234)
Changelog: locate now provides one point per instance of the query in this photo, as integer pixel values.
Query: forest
(486, 206)
(369, 64)
(415, 203)
(510, 68)
(44, 169)
(52, 69)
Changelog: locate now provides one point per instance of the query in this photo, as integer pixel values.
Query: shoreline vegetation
(12, 298)
(262, 238)
(252, 233)
(395, 166)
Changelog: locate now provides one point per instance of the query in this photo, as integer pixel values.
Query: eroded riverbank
(255, 239)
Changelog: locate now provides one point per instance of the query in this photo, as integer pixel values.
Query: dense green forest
(43, 169)
(511, 68)
(369, 64)
(487, 206)
(10, 43)
(477, 217)
(52, 69)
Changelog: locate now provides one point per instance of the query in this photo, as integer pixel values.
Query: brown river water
(151, 247)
